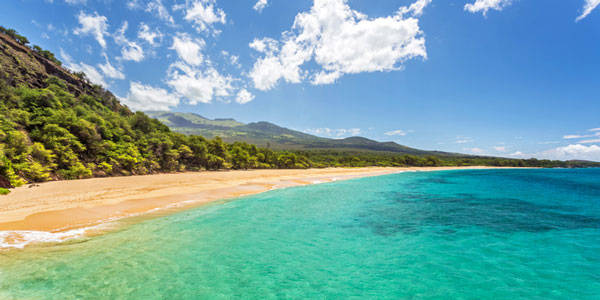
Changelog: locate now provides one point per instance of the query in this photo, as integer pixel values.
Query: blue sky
(499, 77)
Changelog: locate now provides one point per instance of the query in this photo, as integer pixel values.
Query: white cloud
(398, 132)
(159, 10)
(244, 97)
(594, 129)
(341, 41)
(338, 133)
(145, 97)
(94, 25)
(518, 154)
(548, 143)
(485, 5)
(76, 1)
(154, 7)
(574, 136)
(500, 149)
(234, 60)
(476, 150)
(199, 85)
(152, 37)
(91, 73)
(131, 50)
(592, 141)
(188, 50)
(109, 70)
(203, 14)
(260, 5)
(589, 6)
(571, 152)
(464, 140)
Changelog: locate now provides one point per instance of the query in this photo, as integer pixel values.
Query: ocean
(465, 234)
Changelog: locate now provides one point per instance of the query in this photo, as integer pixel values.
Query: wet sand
(61, 206)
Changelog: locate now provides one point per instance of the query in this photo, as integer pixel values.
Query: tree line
(52, 134)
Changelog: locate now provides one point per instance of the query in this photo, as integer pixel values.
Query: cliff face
(21, 65)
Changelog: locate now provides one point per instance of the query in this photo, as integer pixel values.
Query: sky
(511, 78)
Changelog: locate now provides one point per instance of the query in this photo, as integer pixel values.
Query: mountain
(55, 125)
(277, 137)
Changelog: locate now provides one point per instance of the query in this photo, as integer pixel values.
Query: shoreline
(60, 210)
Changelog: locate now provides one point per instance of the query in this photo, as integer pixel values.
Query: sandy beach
(62, 206)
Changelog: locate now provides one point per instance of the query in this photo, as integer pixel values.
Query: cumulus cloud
(154, 7)
(500, 149)
(188, 49)
(517, 154)
(570, 152)
(145, 97)
(203, 14)
(199, 85)
(130, 50)
(94, 25)
(399, 132)
(485, 5)
(589, 6)
(109, 70)
(91, 73)
(234, 60)
(159, 10)
(260, 5)
(340, 41)
(244, 97)
(152, 37)
(475, 150)
(337, 133)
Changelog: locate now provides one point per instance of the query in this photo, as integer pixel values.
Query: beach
(62, 206)
(464, 234)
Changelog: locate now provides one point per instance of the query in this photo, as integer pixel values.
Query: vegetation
(51, 133)
(265, 133)
(15, 35)
(24, 42)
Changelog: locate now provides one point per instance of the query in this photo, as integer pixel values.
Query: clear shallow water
(490, 234)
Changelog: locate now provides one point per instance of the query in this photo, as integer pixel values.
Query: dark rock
(5, 183)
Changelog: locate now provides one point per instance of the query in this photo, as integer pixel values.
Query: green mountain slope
(55, 124)
(265, 133)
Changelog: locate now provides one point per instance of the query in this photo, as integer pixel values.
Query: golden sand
(63, 205)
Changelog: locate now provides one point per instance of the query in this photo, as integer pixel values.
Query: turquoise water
(479, 234)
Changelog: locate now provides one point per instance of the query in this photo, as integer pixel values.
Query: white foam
(21, 238)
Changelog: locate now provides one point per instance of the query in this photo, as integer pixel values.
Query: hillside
(277, 137)
(55, 125)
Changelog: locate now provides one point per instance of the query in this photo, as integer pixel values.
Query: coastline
(60, 210)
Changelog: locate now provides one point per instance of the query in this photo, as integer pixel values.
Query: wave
(21, 238)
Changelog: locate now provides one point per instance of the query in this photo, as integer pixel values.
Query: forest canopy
(54, 133)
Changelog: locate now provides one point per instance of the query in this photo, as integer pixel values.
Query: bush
(4, 191)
